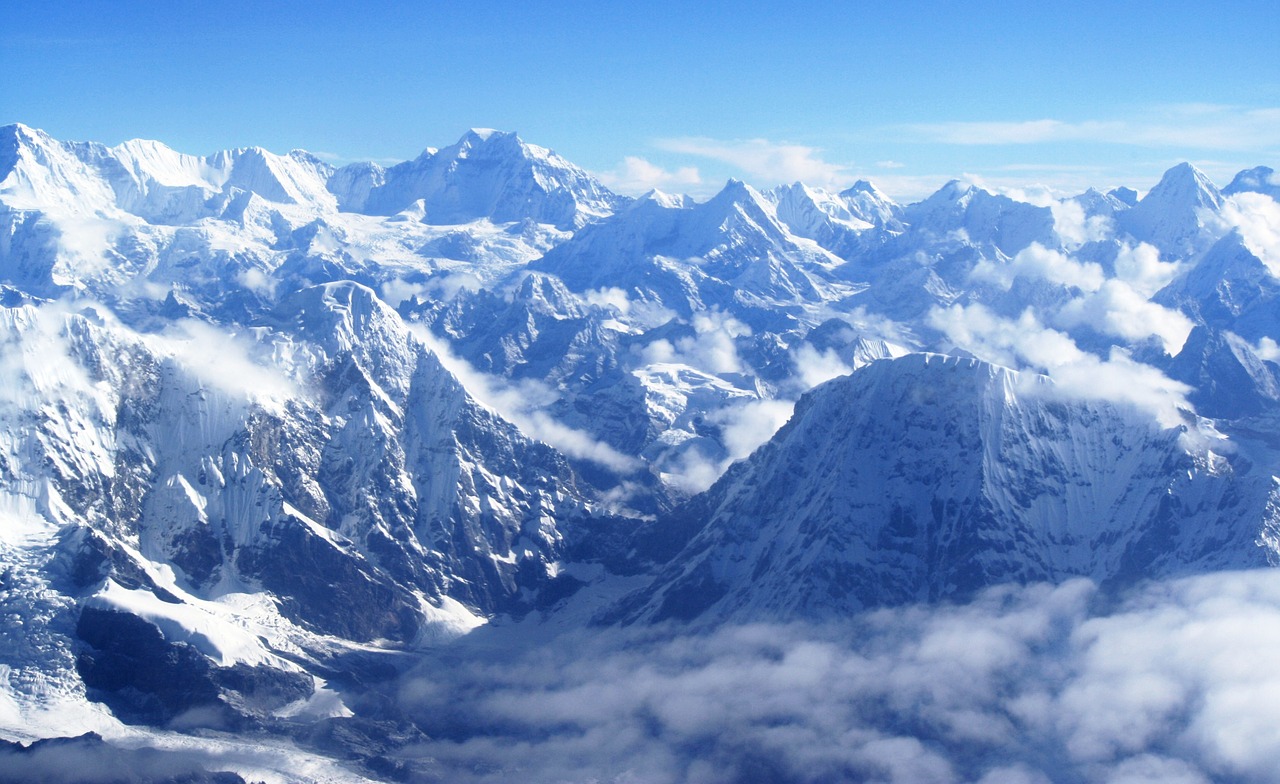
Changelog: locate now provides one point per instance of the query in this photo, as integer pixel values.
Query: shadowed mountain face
(273, 432)
(927, 478)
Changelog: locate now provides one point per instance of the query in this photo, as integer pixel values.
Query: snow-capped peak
(1170, 215)
(817, 214)
(864, 186)
(483, 134)
(1182, 185)
(1259, 179)
(665, 200)
(1124, 195)
(485, 174)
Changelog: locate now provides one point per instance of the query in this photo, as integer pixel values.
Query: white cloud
(1109, 306)
(1183, 126)
(890, 164)
(815, 367)
(224, 359)
(1022, 685)
(38, 362)
(1257, 217)
(691, 470)
(523, 405)
(746, 426)
(40, 357)
(1037, 262)
(711, 349)
(1074, 228)
(1117, 309)
(637, 312)
(1268, 349)
(257, 281)
(396, 291)
(83, 242)
(637, 175)
(760, 158)
(609, 297)
(1034, 193)
(1140, 267)
(1026, 343)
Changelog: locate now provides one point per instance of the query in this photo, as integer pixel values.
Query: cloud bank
(1025, 684)
(1186, 126)
(770, 161)
(637, 175)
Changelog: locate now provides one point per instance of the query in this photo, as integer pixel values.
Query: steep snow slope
(1228, 288)
(1171, 216)
(928, 477)
(254, 504)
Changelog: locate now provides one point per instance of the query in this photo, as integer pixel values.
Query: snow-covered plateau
(469, 469)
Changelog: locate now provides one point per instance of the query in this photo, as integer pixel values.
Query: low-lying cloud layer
(1033, 684)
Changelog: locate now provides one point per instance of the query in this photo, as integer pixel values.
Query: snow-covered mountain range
(273, 429)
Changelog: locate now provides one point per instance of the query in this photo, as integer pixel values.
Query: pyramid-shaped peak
(954, 192)
(1185, 169)
(737, 193)
(1184, 184)
(864, 186)
(801, 187)
(742, 189)
(18, 130)
(663, 199)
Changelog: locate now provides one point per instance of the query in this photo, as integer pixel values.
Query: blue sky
(678, 95)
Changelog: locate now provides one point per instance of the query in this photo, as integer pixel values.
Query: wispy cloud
(774, 162)
(524, 405)
(637, 175)
(1193, 126)
(1257, 218)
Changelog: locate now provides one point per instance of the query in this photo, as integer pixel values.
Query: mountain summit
(486, 174)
